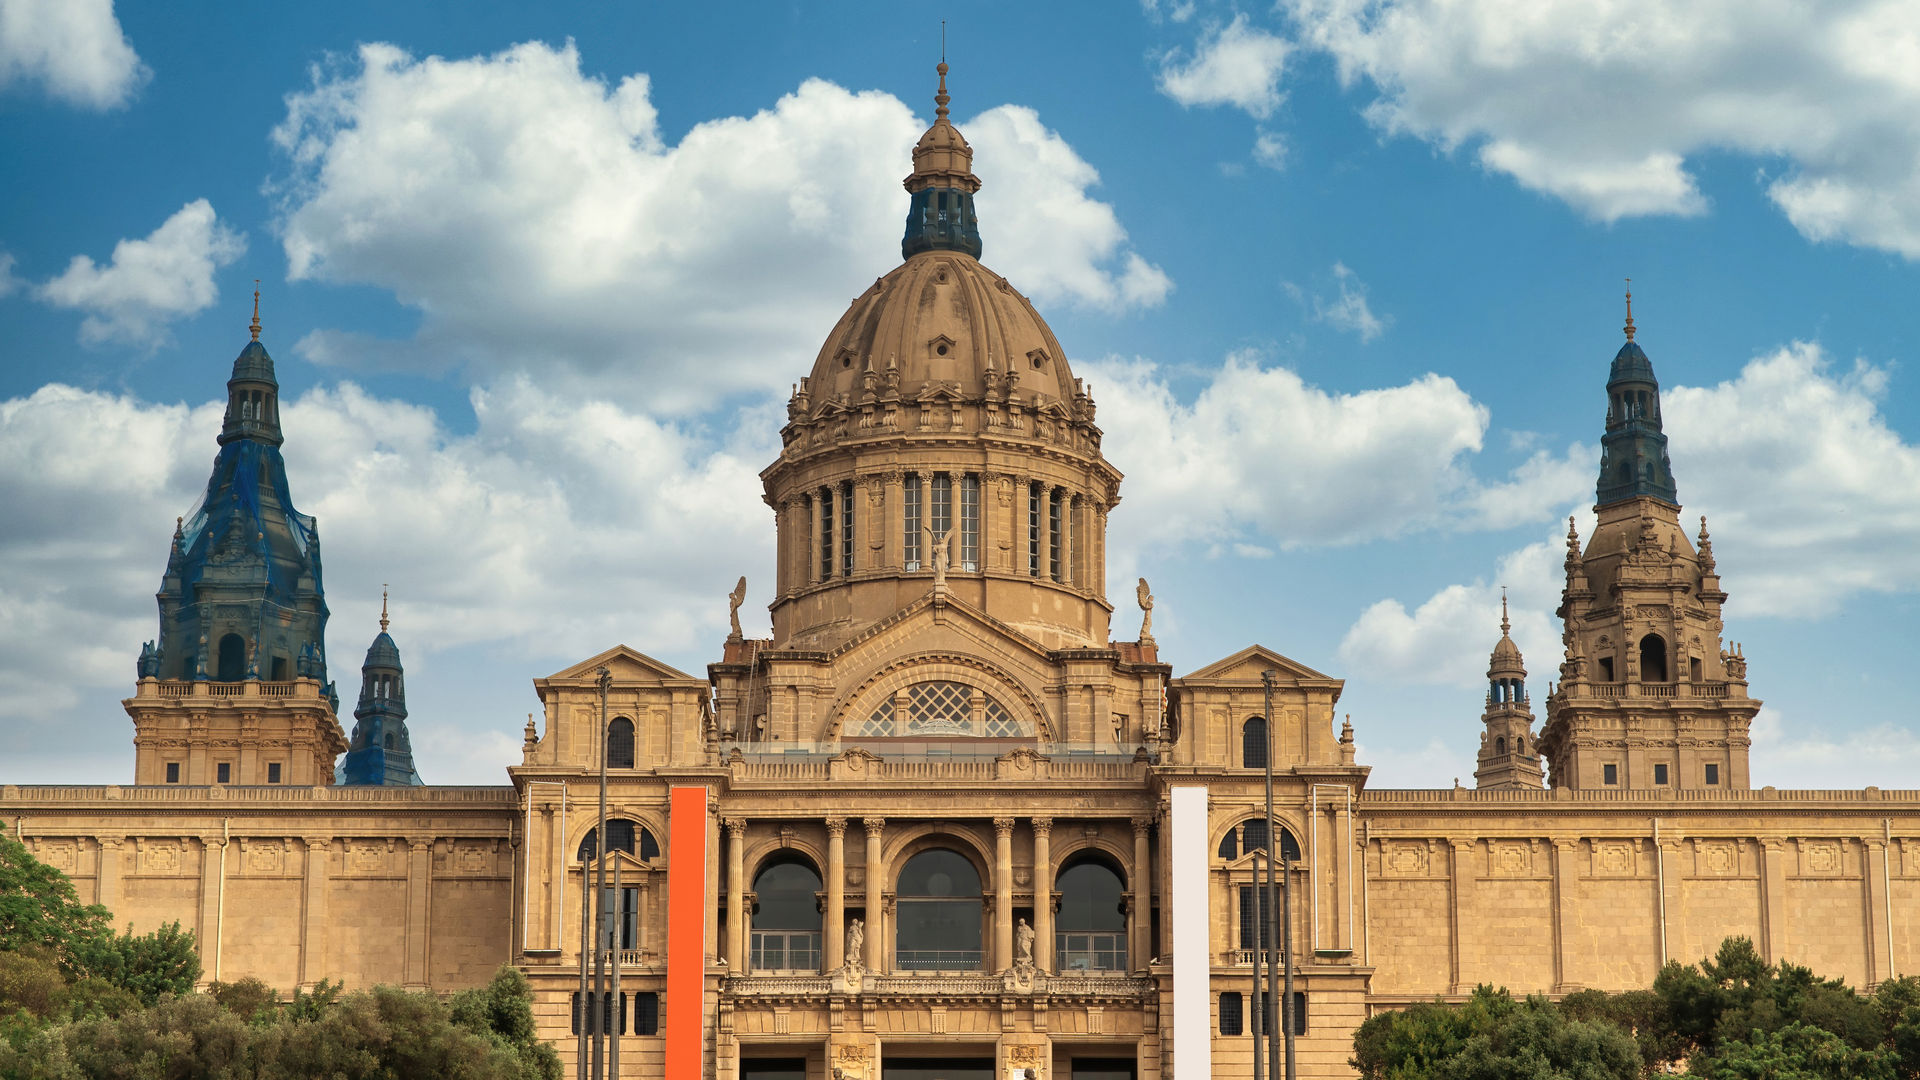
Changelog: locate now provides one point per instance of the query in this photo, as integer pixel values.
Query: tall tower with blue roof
(381, 753)
(235, 688)
(1650, 697)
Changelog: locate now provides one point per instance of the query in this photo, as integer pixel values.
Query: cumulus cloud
(1270, 150)
(535, 215)
(1817, 758)
(9, 284)
(1260, 456)
(1603, 105)
(75, 49)
(1812, 499)
(1348, 310)
(1238, 64)
(149, 282)
(556, 527)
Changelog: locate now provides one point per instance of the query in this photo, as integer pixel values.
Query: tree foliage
(1732, 1016)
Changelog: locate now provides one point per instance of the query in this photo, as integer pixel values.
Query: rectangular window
(1053, 535)
(223, 773)
(1231, 1008)
(1298, 1015)
(910, 518)
(941, 506)
(846, 529)
(970, 522)
(273, 772)
(646, 1013)
(825, 501)
(1610, 774)
(1033, 530)
(1660, 775)
(173, 772)
(609, 1010)
(1251, 918)
(1713, 774)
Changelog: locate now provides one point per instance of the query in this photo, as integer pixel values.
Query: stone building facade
(943, 822)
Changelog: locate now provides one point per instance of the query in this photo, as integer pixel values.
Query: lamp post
(600, 895)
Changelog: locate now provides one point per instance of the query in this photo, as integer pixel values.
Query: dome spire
(1504, 624)
(383, 607)
(941, 217)
(1629, 327)
(254, 327)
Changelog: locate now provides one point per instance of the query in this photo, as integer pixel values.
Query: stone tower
(1649, 698)
(381, 753)
(1509, 757)
(235, 688)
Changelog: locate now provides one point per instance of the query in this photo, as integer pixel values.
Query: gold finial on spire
(383, 607)
(1629, 326)
(254, 328)
(1504, 624)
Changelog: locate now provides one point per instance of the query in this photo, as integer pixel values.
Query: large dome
(942, 320)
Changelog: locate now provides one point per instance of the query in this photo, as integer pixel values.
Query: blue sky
(1345, 277)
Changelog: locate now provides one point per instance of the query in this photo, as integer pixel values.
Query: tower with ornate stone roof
(235, 689)
(1509, 756)
(1649, 698)
(381, 753)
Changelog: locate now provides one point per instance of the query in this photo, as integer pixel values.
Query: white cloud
(536, 216)
(1270, 150)
(75, 48)
(149, 282)
(9, 284)
(1812, 499)
(1238, 64)
(1810, 493)
(557, 527)
(1821, 759)
(1603, 105)
(1261, 456)
(1349, 311)
(1396, 764)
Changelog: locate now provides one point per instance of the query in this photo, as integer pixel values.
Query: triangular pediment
(628, 665)
(1247, 664)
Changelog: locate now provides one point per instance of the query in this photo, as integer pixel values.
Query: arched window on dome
(620, 743)
(1090, 932)
(940, 709)
(969, 547)
(1653, 658)
(940, 913)
(823, 499)
(910, 520)
(786, 918)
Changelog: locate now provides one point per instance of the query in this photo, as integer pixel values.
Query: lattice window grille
(940, 708)
(1000, 725)
(880, 724)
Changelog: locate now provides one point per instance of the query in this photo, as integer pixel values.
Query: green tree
(502, 1011)
(151, 965)
(38, 907)
(1493, 1037)
(1796, 1051)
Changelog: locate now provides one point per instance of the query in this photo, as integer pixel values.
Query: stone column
(1067, 534)
(1044, 544)
(1773, 898)
(1140, 947)
(1002, 893)
(736, 895)
(419, 911)
(1043, 893)
(1564, 875)
(876, 891)
(812, 563)
(1673, 929)
(313, 921)
(893, 522)
(106, 880)
(1344, 901)
(1460, 893)
(212, 855)
(553, 876)
(1873, 863)
(835, 929)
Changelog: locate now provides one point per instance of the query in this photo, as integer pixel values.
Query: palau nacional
(945, 822)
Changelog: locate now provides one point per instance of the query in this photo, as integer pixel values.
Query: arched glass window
(1091, 930)
(1253, 837)
(620, 743)
(786, 918)
(1653, 659)
(940, 911)
(1253, 743)
(233, 659)
(623, 835)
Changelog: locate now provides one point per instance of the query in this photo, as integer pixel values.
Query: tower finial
(1504, 624)
(940, 97)
(254, 328)
(1629, 326)
(383, 607)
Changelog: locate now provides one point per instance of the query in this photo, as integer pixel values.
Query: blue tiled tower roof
(381, 753)
(1633, 452)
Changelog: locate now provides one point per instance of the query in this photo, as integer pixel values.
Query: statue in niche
(1023, 949)
(856, 944)
(1145, 596)
(734, 599)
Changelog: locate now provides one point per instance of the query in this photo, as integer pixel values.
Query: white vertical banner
(1192, 927)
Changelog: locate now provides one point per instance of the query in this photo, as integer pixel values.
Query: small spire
(940, 97)
(254, 328)
(383, 607)
(1504, 624)
(1629, 327)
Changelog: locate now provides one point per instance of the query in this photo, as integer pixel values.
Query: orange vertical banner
(686, 930)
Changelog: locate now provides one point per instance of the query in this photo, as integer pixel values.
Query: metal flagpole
(1270, 929)
(583, 1017)
(600, 896)
(614, 944)
(1259, 953)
